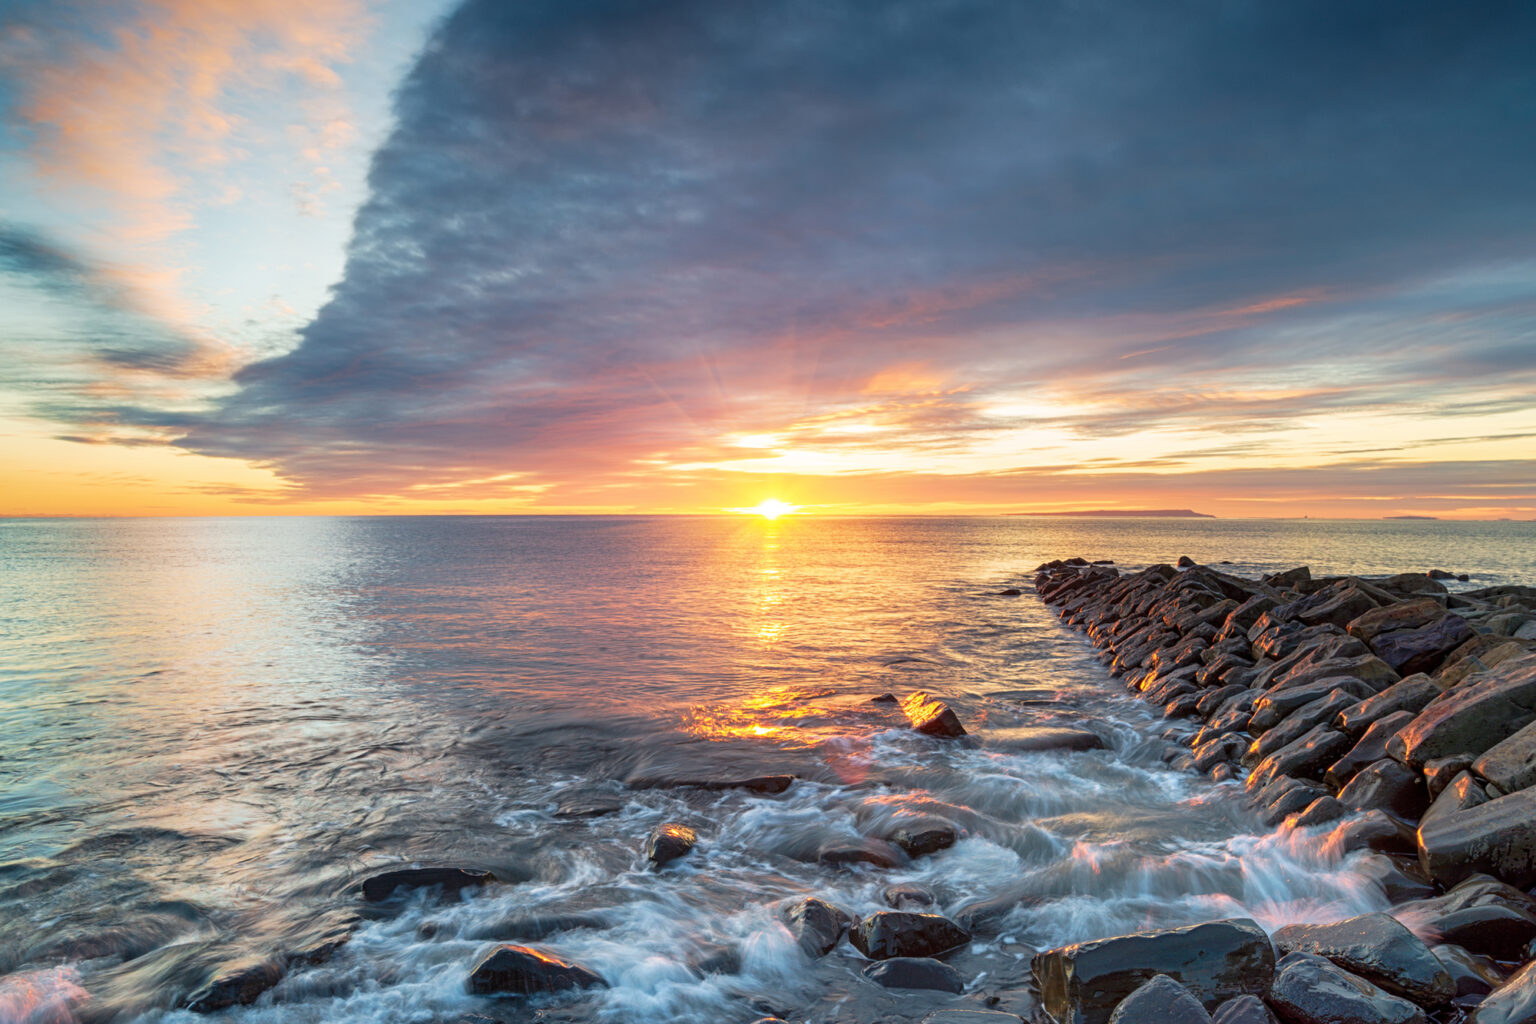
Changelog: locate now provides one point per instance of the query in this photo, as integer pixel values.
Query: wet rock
(817, 925)
(909, 896)
(971, 1017)
(1278, 705)
(1510, 764)
(236, 984)
(1411, 584)
(536, 925)
(884, 698)
(1463, 793)
(381, 886)
(1185, 562)
(916, 973)
(1373, 830)
(522, 970)
(860, 851)
(1160, 1001)
(1300, 721)
(1307, 757)
(1512, 1003)
(931, 717)
(1484, 710)
(1493, 929)
(1289, 799)
(1290, 578)
(1243, 1010)
(924, 837)
(1378, 948)
(1338, 607)
(1411, 694)
(1321, 811)
(1368, 749)
(1309, 989)
(1009, 592)
(1400, 879)
(589, 807)
(1400, 615)
(1471, 974)
(668, 842)
(716, 959)
(1387, 786)
(1084, 982)
(1498, 837)
(1423, 649)
(888, 933)
(766, 785)
(1029, 738)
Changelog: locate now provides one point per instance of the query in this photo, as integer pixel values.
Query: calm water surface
(210, 729)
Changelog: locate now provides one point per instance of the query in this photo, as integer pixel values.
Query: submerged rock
(1380, 949)
(923, 837)
(932, 717)
(915, 972)
(1160, 1001)
(817, 925)
(1084, 982)
(522, 970)
(236, 984)
(1026, 739)
(380, 887)
(1310, 990)
(888, 933)
(909, 896)
(860, 851)
(668, 842)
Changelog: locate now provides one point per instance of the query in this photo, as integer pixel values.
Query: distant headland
(1125, 513)
(1430, 518)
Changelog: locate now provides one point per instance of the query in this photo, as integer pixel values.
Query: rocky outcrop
(1084, 982)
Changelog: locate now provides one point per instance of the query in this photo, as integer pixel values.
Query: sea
(212, 729)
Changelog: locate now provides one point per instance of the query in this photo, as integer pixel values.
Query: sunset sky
(296, 256)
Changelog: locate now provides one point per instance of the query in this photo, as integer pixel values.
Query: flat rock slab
(1311, 990)
(525, 971)
(901, 933)
(1084, 982)
(931, 717)
(1379, 948)
(916, 972)
(380, 887)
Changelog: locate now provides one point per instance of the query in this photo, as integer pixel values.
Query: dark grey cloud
(602, 230)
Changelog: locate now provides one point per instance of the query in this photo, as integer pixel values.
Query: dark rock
(521, 970)
(971, 1017)
(1310, 990)
(716, 960)
(932, 717)
(1512, 1003)
(1387, 786)
(915, 972)
(1442, 770)
(1029, 738)
(236, 984)
(1218, 750)
(380, 887)
(1401, 615)
(1423, 649)
(1410, 585)
(763, 784)
(923, 837)
(1290, 577)
(1485, 709)
(1160, 1001)
(1278, 705)
(1290, 800)
(588, 807)
(817, 925)
(888, 933)
(884, 698)
(1399, 878)
(1321, 811)
(669, 842)
(1243, 1010)
(1380, 949)
(1511, 763)
(1373, 830)
(1307, 757)
(1319, 712)
(1010, 592)
(909, 896)
(535, 925)
(1338, 608)
(1463, 793)
(1410, 694)
(1185, 562)
(1498, 837)
(861, 851)
(1084, 982)
(1472, 975)
(1495, 930)
(1368, 749)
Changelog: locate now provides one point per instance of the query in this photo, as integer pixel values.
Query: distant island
(1430, 518)
(1125, 513)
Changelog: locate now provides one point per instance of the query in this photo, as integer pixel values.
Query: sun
(772, 508)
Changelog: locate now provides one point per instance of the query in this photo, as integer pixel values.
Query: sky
(377, 256)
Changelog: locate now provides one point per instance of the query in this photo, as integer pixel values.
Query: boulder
(668, 842)
(1423, 649)
(1370, 748)
(1307, 757)
(888, 933)
(381, 886)
(1472, 975)
(1084, 982)
(1279, 704)
(915, 972)
(909, 896)
(1411, 584)
(1512, 1003)
(1309, 989)
(846, 852)
(1441, 771)
(1321, 811)
(1401, 615)
(1380, 949)
(1463, 793)
(1510, 764)
(1486, 708)
(1387, 786)
(817, 925)
(1493, 929)
(522, 970)
(932, 717)
(923, 837)
(236, 984)
(1338, 607)
(1372, 830)
(1498, 837)
(1411, 694)
(1160, 1001)
(1290, 578)
(1243, 1010)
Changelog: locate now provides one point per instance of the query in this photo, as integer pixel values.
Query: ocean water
(210, 730)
